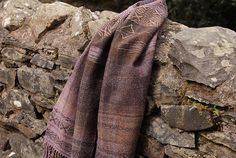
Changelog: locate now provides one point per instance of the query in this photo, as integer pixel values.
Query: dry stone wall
(191, 105)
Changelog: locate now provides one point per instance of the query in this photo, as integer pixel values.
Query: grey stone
(66, 61)
(24, 147)
(7, 76)
(3, 34)
(46, 116)
(159, 130)
(36, 81)
(17, 101)
(226, 92)
(167, 85)
(176, 152)
(61, 75)
(22, 38)
(29, 126)
(151, 148)
(3, 139)
(214, 150)
(229, 117)
(203, 94)
(226, 137)
(59, 86)
(79, 22)
(49, 53)
(43, 102)
(164, 45)
(16, 11)
(187, 118)
(205, 55)
(48, 16)
(68, 52)
(16, 54)
(42, 62)
(223, 95)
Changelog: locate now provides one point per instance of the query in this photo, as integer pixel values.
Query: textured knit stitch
(100, 110)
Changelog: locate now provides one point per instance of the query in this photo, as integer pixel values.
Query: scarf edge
(51, 152)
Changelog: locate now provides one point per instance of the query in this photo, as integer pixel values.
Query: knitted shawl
(100, 109)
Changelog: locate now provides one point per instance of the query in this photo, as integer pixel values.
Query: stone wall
(192, 97)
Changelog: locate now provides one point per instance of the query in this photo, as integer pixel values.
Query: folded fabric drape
(100, 110)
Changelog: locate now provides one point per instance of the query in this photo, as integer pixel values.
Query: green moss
(183, 89)
(214, 110)
(200, 106)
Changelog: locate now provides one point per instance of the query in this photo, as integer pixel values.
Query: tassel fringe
(50, 152)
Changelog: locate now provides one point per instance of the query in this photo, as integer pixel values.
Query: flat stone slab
(187, 118)
(161, 131)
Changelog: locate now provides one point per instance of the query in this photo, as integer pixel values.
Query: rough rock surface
(161, 131)
(187, 118)
(191, 111)
(35, 80)
(15, 12)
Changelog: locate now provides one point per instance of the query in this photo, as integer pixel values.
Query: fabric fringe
(51, 152)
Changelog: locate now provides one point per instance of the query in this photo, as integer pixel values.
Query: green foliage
(194, 13)
(213, 109)
(199, 13)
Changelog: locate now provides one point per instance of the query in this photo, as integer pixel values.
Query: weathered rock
(48, 52)
(17, 101)
(167, 85)
(42, 62)
(226, 137)
(203, 94)
(46, 116)
(36, 81)
(26, 124)
(31, 127)
(16, 11)
(159, 130)
(61, 75)
(229, 117)
(214, 150)
(66, 61)
(43, 102)
(223, 95)
(151, 148)
(69, 52)
(23, 147)
(16, 54)
(227, 91)
(22, 38)
(187, 118)
(79, 22)
(3, 139)
(164, 45)
(176, 152)
(7, 76)
(49, 16)
(182, 52)
(206, 149)
(205, 55)
(3, 33)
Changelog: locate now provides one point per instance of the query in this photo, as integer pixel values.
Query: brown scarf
(100, 110)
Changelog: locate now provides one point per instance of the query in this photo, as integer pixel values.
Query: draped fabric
(100, 110)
